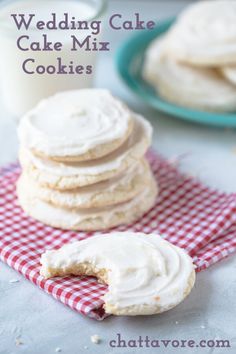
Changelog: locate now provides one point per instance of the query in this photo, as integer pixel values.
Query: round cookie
(205, 34)
(114, 191)
(201, 88)
(70, 175)
(155, 279)
(229, 73)
(76, 125)
(87, 219)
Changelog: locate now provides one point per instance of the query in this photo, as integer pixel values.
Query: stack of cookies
(83, 165)
(194, 63)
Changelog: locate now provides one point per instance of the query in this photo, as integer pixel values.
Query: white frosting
(203, 87)
(135, 147)
(142, 269)
(74, 122)
(205, 31)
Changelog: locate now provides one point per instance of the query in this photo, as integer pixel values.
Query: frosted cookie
(71, 175)
(116, 190)
(76, 125)
(201, 88)
(205, 34)
(229, 73)
(155, 279)
(87, 219)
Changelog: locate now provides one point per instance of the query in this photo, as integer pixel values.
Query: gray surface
(208, 313)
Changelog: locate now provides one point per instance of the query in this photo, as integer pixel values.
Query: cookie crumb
(12, 281)
(189, 174)
(157, 298)
(95, 339)
(174, 161)
(18, 341)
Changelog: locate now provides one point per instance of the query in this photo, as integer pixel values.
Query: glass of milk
(22, 90)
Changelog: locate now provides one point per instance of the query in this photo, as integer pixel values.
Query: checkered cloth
(186, 213)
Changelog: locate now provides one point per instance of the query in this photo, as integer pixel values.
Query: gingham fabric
(186, 213)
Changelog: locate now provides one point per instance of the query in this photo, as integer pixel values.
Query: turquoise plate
(129, 60)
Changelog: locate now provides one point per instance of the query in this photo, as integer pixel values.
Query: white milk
(22, 91)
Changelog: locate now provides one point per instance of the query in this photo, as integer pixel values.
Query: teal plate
(129, 60)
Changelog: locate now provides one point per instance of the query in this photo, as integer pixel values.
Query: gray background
(44, 324)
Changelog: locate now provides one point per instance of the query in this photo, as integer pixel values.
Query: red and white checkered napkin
(188, 214)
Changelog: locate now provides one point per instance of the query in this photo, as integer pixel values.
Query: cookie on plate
(77, 125)
(205, 34)
(155, 279)
(186, 85)
(229, 73)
